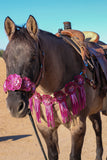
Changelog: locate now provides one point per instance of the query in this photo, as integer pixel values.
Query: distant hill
(1, 52)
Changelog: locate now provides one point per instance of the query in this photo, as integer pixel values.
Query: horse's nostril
(21, 106)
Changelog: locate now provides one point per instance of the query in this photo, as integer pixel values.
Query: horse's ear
(9, 27)
(32, 26)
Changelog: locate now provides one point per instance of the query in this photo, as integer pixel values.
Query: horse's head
(22, 58)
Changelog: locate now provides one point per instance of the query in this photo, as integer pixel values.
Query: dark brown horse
(27, 49)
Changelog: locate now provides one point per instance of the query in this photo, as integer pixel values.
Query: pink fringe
(61, 99)
(38, 100)
(70, 89)
(82, 95)
(31, 104)
(48, 102)
(75, 104)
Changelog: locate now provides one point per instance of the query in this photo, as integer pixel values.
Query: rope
(34, 127)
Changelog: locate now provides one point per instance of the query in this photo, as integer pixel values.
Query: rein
(41, 68)
(34, 127)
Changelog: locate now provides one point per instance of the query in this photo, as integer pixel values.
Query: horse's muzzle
(20, 111)
(17, 105)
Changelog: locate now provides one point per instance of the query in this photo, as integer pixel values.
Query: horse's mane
(47, 33)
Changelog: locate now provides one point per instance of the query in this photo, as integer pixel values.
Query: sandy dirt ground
(18, 140)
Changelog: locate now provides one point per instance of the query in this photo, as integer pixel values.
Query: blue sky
(84, 15)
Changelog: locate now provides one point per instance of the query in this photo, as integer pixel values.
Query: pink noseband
(15, 82)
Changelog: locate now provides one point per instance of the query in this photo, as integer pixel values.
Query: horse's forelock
(22, 35)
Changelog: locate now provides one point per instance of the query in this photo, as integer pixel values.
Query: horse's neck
(61, 62)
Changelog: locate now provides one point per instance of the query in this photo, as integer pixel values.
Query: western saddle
(87, 44)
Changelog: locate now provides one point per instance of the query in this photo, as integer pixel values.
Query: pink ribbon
(70, 89)
(61, 99)
(31, 104)
(48, 102)
(82, 95)
(38, 99)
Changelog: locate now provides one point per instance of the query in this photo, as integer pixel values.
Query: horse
(50, 62)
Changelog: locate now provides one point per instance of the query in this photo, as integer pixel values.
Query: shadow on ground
(13, 138)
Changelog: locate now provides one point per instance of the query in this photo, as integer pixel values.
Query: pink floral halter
(72, 89)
